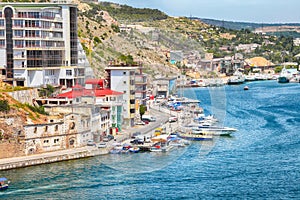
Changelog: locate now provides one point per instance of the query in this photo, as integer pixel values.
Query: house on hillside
(258, 64)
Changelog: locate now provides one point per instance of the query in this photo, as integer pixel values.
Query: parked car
(145, 121)
(108, 138)
(136, 134)
(91, 143)
(140, 123)
(111, 137)
(173, 119)
(136, 141)
(149, 118)
(102, 145)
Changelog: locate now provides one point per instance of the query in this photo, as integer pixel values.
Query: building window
(1, 22)
(69, 72)
(35, 129)
(18, 23)
(56, 141)
(72, 125)
(71, 141)
(124, 82)
(46, 141)
(124, 91)
(2, 43)
(124, 73)
(46, 128)
(56, 127)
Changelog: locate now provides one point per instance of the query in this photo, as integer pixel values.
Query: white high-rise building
(39, 44)
(121, 78)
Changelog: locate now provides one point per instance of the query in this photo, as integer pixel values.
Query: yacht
(284, 76)
(237, 78)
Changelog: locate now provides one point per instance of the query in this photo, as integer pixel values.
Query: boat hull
(3, 187)
(283, 80)
(195, 137)
(235, 82)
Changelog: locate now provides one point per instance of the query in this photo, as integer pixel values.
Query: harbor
(266, 137)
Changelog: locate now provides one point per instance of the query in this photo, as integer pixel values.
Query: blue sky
(260, 11)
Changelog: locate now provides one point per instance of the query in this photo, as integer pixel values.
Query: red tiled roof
(89, 92)
(94, 81)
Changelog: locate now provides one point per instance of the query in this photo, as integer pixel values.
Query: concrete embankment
(51, 157)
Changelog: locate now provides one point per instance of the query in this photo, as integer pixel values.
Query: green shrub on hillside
(4, 106)
(126, 13)
(38, 109)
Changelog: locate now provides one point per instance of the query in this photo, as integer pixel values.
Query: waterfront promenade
(161, 115)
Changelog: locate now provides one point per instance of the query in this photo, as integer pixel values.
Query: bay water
(259, 161)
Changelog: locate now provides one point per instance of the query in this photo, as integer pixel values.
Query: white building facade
(122, 79)
(39, 44)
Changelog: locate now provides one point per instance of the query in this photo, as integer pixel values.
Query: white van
(144, 138)
(149, 118)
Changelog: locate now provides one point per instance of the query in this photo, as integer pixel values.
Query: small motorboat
(134, 149)
(3, 183)
(246, 88)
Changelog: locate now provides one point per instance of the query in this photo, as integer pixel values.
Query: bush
(4, 106)
(115, 28)
(40, 109)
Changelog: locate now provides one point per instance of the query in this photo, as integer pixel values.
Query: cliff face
(106, 35)
(12, 121)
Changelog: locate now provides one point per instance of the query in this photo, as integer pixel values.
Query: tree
(4, 106)
(143, 109)
(48, 91)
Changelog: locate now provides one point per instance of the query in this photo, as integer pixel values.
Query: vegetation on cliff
(128, 14)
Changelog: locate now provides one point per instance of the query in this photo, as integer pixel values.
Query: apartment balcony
(132, 87)
(19, 47)
(162, 88)
(140, 80)
(46, 38)
(19, 57)
(132, 106)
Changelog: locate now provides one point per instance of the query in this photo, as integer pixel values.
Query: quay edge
(47, 158)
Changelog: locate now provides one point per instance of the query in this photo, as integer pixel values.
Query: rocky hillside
(147, 38)
(13, 115)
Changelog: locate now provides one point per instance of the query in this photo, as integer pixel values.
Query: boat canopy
(3, 179)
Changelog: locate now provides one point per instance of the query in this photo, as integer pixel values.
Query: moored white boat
(284, 76)
(196, 137)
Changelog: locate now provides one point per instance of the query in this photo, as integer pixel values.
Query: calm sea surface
(260, 161)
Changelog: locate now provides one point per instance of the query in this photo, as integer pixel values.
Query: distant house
(296, 41)
(247, 48)
(258, 64)
(176, 56)
(163, 86)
